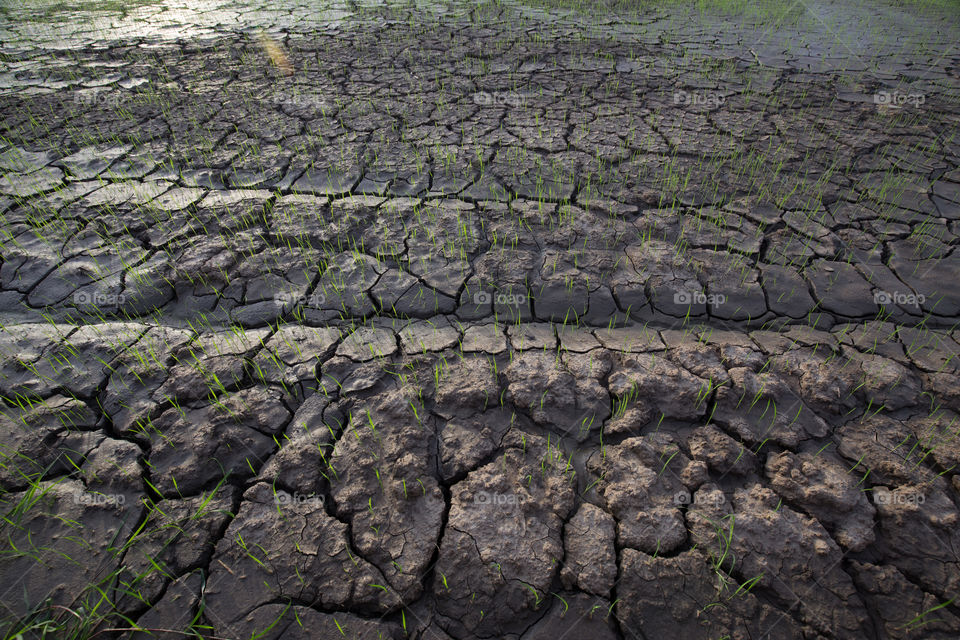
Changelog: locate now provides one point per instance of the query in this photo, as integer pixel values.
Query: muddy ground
(479, 321)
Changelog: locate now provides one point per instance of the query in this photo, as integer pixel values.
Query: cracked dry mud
(487, 321)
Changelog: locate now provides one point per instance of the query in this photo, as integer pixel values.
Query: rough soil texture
(461, 330)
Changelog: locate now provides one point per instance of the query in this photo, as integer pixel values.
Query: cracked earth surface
(482, 322)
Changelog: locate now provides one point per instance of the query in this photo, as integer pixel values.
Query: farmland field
(443, 320)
